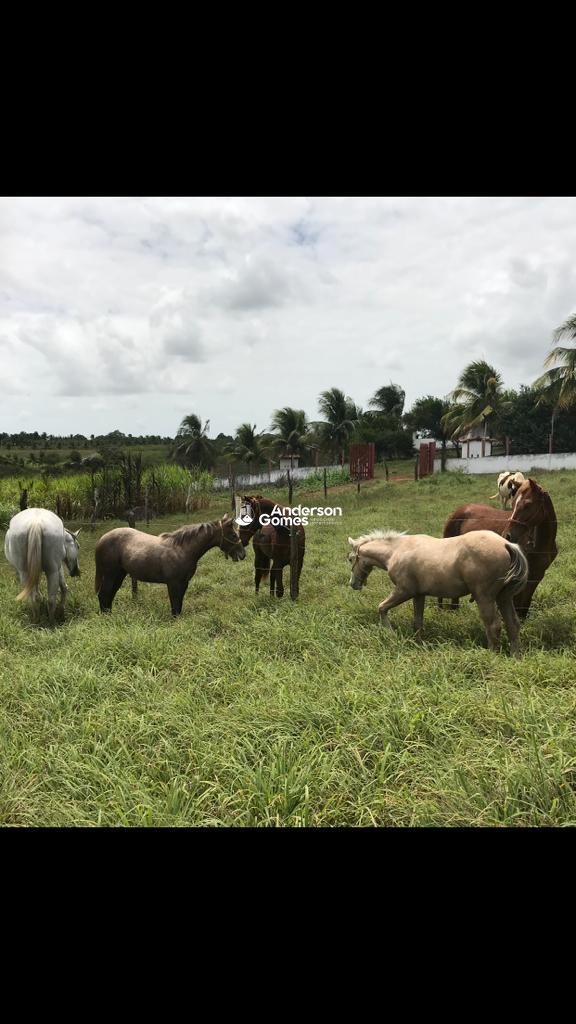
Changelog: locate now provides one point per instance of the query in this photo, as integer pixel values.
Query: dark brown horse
(532, 524)
(271, 540)
(171, 558)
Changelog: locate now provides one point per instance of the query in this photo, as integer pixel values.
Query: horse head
(248, 512)
(71, 551)
(528, 511)
(231, 541)
(360, 570)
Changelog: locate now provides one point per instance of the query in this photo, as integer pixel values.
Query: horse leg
(109, 588)
(261, 568)
(489, 616)
(511, 621)
(398, 597)
(276, 581)
(53, 578)
(35, 599)
(300, 563)
(63, 589)
(176, 591)
(523, 600)
(418, 602)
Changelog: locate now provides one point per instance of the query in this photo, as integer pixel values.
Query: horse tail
(517, 576)
(33, 561)
(453, 526)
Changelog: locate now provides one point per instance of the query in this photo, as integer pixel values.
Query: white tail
(33, 561)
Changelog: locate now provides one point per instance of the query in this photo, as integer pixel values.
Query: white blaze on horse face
(360, 571)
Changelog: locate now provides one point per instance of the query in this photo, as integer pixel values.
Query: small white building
(475, 445)
(289, 461)
(418, 438)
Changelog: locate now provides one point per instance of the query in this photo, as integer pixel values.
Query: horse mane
(185, 534)
(379, 535)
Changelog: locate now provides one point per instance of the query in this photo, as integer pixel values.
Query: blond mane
(377, 535)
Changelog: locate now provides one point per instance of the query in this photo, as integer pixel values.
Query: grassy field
(248, 711)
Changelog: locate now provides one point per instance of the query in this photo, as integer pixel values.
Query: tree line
(533, 418)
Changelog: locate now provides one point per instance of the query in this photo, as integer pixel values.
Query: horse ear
(351, 542)
(77, 532)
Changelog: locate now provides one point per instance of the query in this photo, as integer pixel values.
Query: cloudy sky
(129, 312)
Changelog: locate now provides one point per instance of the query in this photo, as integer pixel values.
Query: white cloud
(124, 311)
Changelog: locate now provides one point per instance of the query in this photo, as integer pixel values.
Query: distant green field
(253, 711)
(151, 454)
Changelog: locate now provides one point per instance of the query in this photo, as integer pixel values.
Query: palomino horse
(532, 524)
(271, 541)
(38, 542)
(508, 484)
(171, 558)
(482, 564)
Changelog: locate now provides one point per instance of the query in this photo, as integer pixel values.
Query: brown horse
(531, 523)
(171, 558)
(270, 540)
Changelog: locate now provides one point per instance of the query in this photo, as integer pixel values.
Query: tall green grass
(253, 711)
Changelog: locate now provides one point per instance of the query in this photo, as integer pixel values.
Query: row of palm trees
(479, 401)
(291, 432)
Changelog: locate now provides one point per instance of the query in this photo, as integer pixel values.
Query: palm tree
(341, 417)
(192, 445)
(557, 387)
(477, 400)
(291, 431)
(248, 446)
(389, 400)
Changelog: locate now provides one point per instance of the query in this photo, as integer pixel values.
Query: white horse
(508, 484)
(36, 542)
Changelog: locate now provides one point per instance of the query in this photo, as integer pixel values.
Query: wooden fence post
(146, 506)
(290, 486)
(95, 507)
(325, 486)
(233, 489)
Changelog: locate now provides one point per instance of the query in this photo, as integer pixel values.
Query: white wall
(495, 464)
(254, 479)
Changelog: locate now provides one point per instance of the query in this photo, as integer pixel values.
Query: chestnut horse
(171, 558)
(532, 524)
(271, 542)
